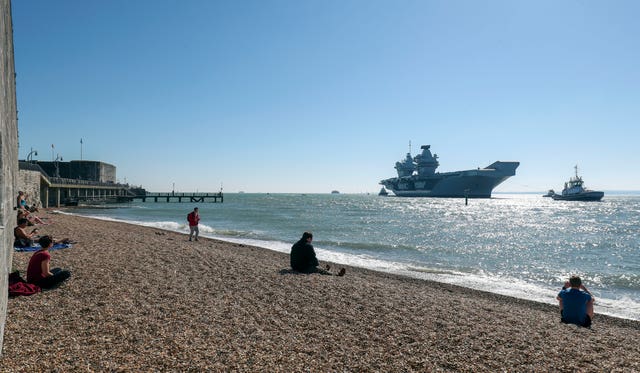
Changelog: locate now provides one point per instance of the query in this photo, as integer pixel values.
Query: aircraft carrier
(417, 177)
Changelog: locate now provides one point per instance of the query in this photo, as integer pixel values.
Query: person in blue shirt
(576, 303)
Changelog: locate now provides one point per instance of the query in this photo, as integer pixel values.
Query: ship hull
(470, 184)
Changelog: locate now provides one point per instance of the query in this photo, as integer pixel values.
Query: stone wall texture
(29, 182)
(8, 154)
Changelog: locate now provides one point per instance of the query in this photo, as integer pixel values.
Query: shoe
(327, 267)
(189, 239)
(342, 272)
(196, 239)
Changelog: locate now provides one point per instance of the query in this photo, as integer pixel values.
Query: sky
(313, 96)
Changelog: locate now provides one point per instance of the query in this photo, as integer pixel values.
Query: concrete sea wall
(8, 154)
(29, 182)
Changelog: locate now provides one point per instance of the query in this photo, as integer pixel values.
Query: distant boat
(335, 192)
(383, 192)
(550, 193)
(575, 191)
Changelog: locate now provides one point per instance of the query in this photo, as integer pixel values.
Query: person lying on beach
(39, 272)
(30, 217)
(20, 235)
(576, 303)
(303, 257)
(24, 214)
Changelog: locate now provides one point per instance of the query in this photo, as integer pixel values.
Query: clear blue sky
(311, 96)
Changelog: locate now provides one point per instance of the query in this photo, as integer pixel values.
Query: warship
(417, 177)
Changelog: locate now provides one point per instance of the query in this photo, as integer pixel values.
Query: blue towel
(36, 247)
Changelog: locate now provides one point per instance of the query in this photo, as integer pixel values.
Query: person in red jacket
(193, 218)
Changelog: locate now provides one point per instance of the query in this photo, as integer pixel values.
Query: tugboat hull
(586, 196)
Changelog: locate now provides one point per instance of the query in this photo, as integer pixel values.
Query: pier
(179, 197)
(94, 183)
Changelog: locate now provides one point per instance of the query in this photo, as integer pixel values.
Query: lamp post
(57, 161)
(31, 153)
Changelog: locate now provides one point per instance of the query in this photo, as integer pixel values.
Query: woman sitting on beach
(21, 201)
(20, 235)
(38, 271)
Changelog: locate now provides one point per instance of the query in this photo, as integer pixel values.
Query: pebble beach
(144, 299)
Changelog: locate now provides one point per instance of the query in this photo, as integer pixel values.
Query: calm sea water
(520, 245)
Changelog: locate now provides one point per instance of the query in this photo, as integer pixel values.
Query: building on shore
(69, 183)
(82, 170)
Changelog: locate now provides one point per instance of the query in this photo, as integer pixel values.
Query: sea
(520, 245)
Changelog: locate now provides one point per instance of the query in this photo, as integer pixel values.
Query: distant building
(70, 183)
(83, 170)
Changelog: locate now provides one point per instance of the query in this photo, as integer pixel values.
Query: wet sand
(142, 299)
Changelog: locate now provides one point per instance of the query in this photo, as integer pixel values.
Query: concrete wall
(8, 155)
(107, 173)
(29, 182)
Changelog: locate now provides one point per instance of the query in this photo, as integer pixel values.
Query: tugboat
(417, 177)
(574, 191)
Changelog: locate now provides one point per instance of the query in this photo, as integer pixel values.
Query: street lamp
(57, 161)
(31, 153)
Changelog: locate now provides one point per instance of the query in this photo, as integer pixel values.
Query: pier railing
(179, 197)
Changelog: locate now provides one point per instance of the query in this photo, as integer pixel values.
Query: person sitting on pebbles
(303, 257)
(39, 272)
(21, 201)
(21, 237)
(576, 303)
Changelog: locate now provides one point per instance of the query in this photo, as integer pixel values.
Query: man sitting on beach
(21, 237)
(303, 257)
(38, 271)
(576, 303)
